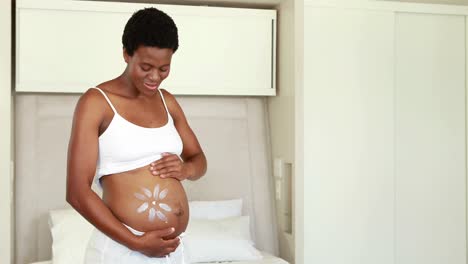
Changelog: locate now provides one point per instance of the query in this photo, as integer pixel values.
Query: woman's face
(148, 67)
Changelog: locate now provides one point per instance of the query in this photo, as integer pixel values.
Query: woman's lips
(151, 86)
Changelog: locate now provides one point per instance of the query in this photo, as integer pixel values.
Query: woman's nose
(154, 76)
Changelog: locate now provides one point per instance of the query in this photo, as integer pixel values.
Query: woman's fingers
(166, 170)
(167, 165)
(171, 243)
(165, 158)
(175, 175)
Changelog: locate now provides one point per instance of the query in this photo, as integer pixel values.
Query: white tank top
(126, 146)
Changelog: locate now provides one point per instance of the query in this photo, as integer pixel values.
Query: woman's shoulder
(91, 101)
(170, 99)
(167, 95)
(92, 97)
(172, 104)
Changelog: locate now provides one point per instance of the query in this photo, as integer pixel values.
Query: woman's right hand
(154, 244)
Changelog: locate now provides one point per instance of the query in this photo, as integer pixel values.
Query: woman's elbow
(74, 196)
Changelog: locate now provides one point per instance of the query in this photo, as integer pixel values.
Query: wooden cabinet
(69, 46)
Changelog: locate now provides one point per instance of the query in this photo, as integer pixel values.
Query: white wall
(286, 124)
(449, 2)
(282, 123)
(298, 198)
(6, 223)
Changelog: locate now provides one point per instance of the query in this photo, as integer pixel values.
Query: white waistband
(140, 233)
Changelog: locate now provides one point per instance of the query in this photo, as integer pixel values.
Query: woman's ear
(126, 56)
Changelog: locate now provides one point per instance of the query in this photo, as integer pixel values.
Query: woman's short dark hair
(150, 27)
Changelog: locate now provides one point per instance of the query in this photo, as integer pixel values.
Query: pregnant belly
(146, 202)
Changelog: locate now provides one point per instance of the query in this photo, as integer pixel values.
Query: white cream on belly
(152, 202)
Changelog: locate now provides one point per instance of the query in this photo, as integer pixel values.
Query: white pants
(103, 250)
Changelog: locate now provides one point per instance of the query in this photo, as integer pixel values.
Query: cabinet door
(70, 46)
(430, 183)
(348, 108)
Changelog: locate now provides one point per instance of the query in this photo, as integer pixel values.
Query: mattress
(267, 259)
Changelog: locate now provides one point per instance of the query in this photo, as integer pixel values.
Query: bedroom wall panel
(298, 182)
(6, 136)
(249, 156)
(230, 130)
(281, 124)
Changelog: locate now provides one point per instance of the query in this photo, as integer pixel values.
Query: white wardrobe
(385, 133)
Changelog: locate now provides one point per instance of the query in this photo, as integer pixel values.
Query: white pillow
(220, 240)
(70, 234)
(215, 209)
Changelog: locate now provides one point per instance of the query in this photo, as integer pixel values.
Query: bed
(267, 259)
(232, 131)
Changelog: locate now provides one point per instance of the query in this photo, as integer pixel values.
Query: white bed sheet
(267, 259)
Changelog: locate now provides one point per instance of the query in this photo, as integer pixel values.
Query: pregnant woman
(134, 136)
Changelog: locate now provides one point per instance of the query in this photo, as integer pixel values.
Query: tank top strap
(107, 99)
(164, 102)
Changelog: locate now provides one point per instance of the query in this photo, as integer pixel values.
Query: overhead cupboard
(65, 46)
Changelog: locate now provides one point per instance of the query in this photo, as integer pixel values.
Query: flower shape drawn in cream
(152, 203)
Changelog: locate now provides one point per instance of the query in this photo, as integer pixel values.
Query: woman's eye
(164, 70)
(145, 68)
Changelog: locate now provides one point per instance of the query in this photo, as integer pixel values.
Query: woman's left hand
(169, 166)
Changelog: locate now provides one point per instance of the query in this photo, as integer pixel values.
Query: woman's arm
(81, 167)
(194, 165)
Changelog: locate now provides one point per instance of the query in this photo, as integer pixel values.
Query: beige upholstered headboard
(231, 130)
